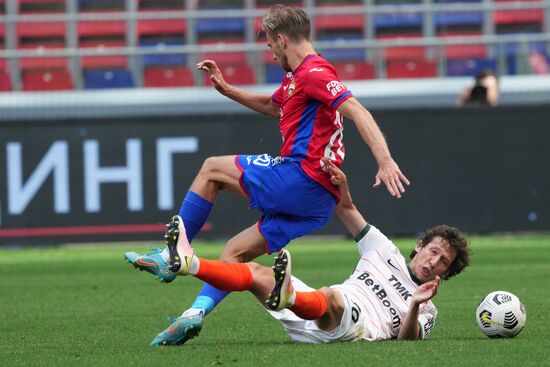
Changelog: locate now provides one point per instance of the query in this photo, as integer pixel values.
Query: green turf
(84, 306)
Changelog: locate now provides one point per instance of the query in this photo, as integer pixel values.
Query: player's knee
(334, 300)
(209, 166)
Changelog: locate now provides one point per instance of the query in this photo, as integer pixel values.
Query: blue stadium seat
(163, 59)
(398, 20)
(514, 48)
(108, 78)
(274, 73)
(469, 67)
(458, 18)
(220, 25)
(342, 54)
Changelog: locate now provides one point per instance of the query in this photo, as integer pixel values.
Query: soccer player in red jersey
(292, 191)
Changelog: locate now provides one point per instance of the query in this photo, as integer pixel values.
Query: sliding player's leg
(217, 173)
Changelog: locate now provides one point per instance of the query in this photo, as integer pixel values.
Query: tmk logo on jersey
(335, 87)
(382, 295)
(400, 287)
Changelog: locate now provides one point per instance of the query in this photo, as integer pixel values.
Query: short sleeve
(426, 319)
(277, 96)
(371, 238)
(324, 86)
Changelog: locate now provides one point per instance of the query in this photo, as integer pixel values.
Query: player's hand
(214, 74)
(390, 174)
(427, 291)
(337, 176)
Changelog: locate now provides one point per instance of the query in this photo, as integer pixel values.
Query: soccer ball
(501, 315)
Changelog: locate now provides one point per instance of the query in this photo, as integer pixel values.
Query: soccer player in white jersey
(384, 298)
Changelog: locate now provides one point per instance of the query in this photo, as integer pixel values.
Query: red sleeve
(324, 86)
(277, 96)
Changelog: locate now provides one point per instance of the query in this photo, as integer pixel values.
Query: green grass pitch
(84, 306)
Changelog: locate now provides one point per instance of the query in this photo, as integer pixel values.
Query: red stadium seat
(403, 52)
(168, 76)
(518, 16)
(37, 80)
(354, 70)
(239, 74)
(355, 20)
(5, 83)
(235, 57)
(464, 51)
(411, 69)
(42, 62)
(41, 30)
(161, 28)
(110, 28)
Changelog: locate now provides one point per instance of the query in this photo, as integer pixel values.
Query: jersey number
(355, 312)
(338, 135)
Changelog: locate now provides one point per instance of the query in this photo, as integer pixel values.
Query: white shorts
(351, 326)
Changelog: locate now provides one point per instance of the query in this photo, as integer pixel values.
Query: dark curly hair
(456, 240)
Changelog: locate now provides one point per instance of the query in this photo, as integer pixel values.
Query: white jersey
(376, 296)
(383, 286)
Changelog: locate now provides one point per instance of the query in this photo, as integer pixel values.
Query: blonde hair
(292, 22)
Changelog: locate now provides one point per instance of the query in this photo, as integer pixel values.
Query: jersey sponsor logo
(335, 87)
(316, 69)
(379, 291)
(399, 287)
(391, 264)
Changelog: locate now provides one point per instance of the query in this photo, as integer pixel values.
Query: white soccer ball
(501, 315)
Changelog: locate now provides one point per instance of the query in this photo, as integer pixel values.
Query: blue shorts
(293, 204)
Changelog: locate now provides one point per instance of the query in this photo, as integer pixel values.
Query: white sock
(192, 312)
(291, 299)
(194, 265)
(165, 254)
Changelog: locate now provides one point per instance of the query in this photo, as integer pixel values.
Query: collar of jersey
(303, 61)
(415, 279)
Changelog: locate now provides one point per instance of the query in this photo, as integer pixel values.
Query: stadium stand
(146, 42)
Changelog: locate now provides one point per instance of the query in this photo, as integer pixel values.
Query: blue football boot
(153, 262)
(182, 329)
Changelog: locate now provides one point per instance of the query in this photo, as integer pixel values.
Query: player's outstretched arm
(410, 330)
(388, 172)
(346, 210)
(261, 103)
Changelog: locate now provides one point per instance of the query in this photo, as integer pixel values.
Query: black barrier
(482, 170)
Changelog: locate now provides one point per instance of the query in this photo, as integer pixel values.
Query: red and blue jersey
(311, 126)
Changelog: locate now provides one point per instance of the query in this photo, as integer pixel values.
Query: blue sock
(194, 211)
(208, 298)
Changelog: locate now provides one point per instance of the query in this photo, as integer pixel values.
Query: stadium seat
(469, 67)
(44, 80)
(233, 57)
(398, 20)
(41, 6)
(108, 78)
(161, 29)
(403, 52)
(40, 33)
(355, 20)
(342, 54)
(101, 30)
(168, 76)
(239, 74)
(410, 69)
(163, 59)
(5, 82)
(269, 3)
(463, 51)
(101, 5)
(42, 62)
(161, 5)
(457, 18)
(274, 74)
(355, 70)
